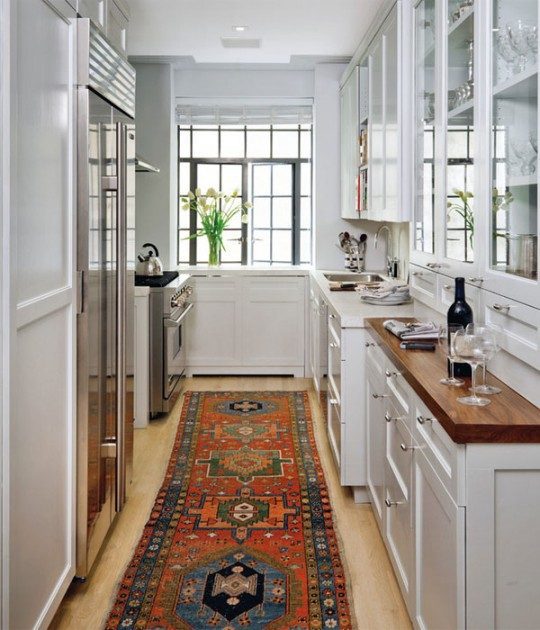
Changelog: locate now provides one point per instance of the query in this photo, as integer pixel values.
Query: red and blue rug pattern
(241, 533)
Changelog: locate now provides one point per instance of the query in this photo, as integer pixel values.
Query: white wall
(156, 142)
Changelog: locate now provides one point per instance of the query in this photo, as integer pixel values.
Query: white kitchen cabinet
(273, 321)
(247, 324)
(375, 436)
(349, 146)
(39, 519)
(439, 552)
(93, 9)
(141, 354)
(117, 20)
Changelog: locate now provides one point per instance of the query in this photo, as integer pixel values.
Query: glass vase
(214, 251)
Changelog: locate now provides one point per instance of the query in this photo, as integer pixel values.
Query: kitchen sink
(359, 278)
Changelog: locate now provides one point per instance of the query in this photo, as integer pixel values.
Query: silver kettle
(150, 264)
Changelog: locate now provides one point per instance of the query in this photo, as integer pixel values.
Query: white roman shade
(189, 112)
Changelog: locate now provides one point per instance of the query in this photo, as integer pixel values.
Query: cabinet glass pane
(425, 80)
(376, 158)
(460, 131)
(514, 138)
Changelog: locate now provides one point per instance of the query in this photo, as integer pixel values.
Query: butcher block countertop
(508, 418)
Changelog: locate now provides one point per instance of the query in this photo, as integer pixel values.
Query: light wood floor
(376, 597)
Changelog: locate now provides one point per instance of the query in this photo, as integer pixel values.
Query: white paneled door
(41, 428)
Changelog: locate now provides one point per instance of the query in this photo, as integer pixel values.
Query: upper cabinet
(112, 16)
(376, 131)
(475, 148)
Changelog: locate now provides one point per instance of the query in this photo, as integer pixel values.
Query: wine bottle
(460, 313)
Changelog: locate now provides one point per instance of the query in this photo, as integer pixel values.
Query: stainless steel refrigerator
(106, 268)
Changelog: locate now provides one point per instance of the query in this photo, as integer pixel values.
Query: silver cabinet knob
(417, 273)
(388, 417)
(476, 279)
(434, 265)
(502, 307)
(423, 420)
(380, 395)
(448, 287)
(333, 345)
(370, 344)
(390, 374)
(332, 316)
(333, 401)
(406, 448)
(390, 504)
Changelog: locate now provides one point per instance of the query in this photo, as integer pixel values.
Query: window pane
(183, 178)
(282, 212)
(305, 246)
(183, 246)
(261, 244)
(205, 144)
(233, 247)
(305, 213)
(285, 127)
(305, 179)
(231, 178)
(261, 213)
(184, 148)
(285, 144)
(232, 144)
(258, 144)
(261, 179)
(281, 246)
(305, 144)
(183, 218)
(236, 221)
(207, 176)
(282, 180)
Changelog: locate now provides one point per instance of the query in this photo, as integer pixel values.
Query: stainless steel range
(169, 310)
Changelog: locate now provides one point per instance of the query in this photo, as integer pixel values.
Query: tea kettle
(150, 265)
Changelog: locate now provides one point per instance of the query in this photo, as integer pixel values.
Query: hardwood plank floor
(375, 593)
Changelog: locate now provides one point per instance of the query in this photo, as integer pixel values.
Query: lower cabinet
(247, 325)
(439, 550)
(375, 428)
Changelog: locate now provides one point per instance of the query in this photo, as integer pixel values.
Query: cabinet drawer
(440, 450)
(424, 285)
(398, 533)
(520, 325)
(399, 449)
(334, 324)
(398, 386)
(334, 425)
(375, 357)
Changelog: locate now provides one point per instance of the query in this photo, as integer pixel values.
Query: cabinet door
(376, 132)
(93, 9)
(391, 135)
(214, 328)
(42, 410)
(349, 146)
(314, 354)
(273, 321)
(117, 24)
(439, 552)
(375, 442)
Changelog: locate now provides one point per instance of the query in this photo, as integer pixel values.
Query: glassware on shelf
(491, 345)
(524, 157)
(446, 342)
(506, 50)
(469, 348)
(520, 35)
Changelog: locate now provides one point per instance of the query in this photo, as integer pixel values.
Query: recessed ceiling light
(239, 28)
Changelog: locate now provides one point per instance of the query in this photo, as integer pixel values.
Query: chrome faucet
(391, 263)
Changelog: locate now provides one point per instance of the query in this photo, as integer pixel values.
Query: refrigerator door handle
(121, 200)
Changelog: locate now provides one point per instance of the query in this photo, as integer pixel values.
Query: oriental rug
(241, 533)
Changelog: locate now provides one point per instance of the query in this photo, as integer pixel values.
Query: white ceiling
(194, 28)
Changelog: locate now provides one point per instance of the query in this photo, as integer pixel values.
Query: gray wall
(155, 142)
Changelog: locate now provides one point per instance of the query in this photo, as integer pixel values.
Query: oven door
(174, 349)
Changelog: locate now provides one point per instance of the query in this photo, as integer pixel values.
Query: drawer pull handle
(434, 265)
(448, 287)
(476, 279)
(502, 307)
(406, 448)
(380, 395)
(423, 420)
(333, 401)
(417, 273)
(370, 344)
(388, 417)
(332, 316)
(390, 504)
(390, 374)
(333, 345)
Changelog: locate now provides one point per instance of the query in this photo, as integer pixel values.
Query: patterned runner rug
(241, 533)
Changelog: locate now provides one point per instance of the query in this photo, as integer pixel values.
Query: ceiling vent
(240, 42)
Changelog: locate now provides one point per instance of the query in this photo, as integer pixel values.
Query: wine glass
(490, 348)
(520, 35)
(506, 50)
(446, 341)
(469, 349)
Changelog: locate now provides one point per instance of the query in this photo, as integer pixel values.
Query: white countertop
(247, 270)
(351, 310)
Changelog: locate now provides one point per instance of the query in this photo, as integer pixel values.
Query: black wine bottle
(460, 314)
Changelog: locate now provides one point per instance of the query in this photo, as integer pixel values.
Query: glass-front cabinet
(476, 143)
(513, 102)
